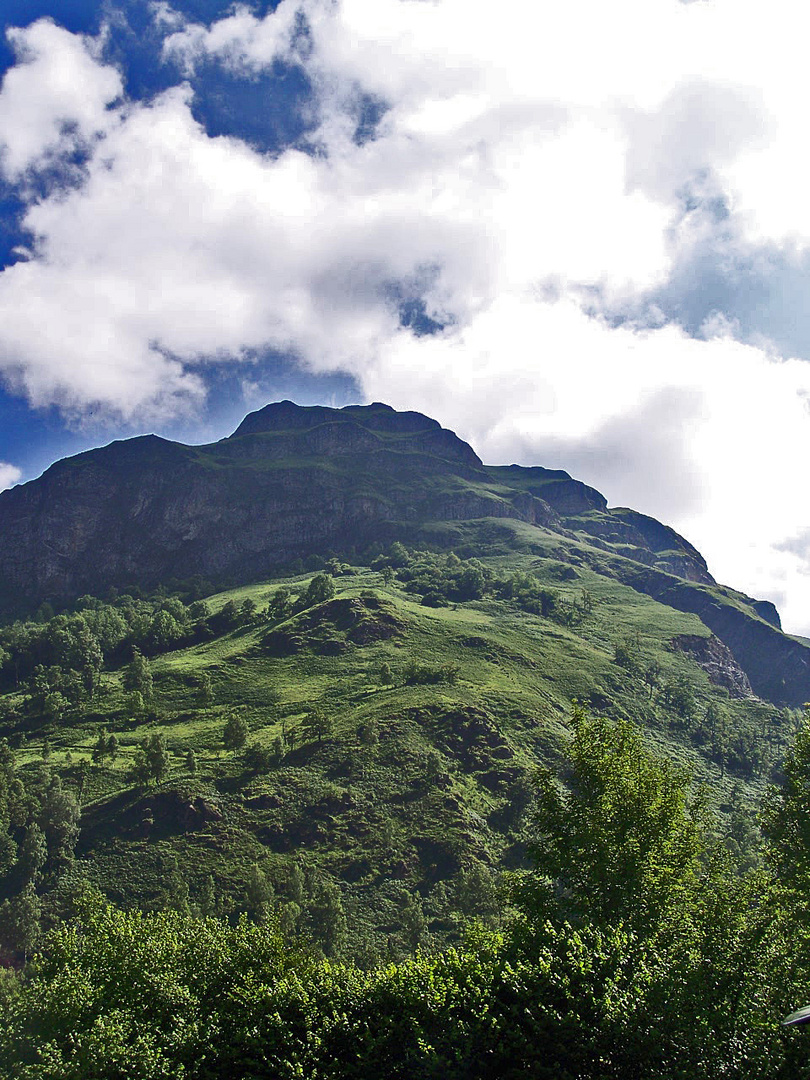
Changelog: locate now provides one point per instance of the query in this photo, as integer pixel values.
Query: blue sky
(33, 438)
(577, 234)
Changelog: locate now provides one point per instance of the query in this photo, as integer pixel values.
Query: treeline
(57, 664)
(632, 948)
(39, 828)
(446, 578)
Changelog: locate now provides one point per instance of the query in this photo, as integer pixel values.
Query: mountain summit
(293, 482)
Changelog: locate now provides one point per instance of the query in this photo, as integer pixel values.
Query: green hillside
(389, 734)
(328, 751)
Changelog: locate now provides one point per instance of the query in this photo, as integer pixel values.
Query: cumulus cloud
(707, 435)
(538, 178)
(55, 100)
(9, 475)
(698, 129)
(242, 42)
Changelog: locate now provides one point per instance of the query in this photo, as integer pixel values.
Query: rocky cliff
(289, 482)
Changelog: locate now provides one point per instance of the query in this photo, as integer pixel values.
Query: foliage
(320, 589)
(390, 746)
(622, 844)
(235, 733)
(152, 762)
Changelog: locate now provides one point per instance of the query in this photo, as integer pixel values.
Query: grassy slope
(391, 816)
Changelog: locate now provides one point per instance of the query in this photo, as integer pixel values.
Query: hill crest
(294, 482)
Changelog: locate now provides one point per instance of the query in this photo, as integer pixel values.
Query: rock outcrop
(717, 660)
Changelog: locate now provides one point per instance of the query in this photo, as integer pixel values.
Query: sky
(577, 234)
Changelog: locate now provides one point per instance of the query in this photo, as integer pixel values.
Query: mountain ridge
(295, 481)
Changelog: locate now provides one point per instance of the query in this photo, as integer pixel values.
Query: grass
(431, 796)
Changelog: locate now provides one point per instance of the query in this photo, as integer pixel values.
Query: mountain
(289, 482)
(316, 666)
(340, 685)
(294, 482)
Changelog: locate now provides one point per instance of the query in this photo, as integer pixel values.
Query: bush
(416, 674)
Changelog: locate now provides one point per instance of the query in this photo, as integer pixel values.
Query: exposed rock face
(644, 540)
(717, 660)
(289, 482)
(767, 611)
(293, 481)
(777, 666)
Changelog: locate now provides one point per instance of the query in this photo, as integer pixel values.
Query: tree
(135, 703)
(191, 762)
(20, 921)
(206, 690)
(471, 583)
(152, 760)
(8, 846)
(258, 758)
(280, 604)
(386, 674)
(289, 918)
(786, 821)
(317, 725)
(235, 733)
(621, 843)
(176, 896)
(59, 819)
(413, 922)
(626, 654)
(54, 704)
(199, 611)
(207, 898)
(101, 749)
(139, 769)
(33, 854)
(475, 892)
(320, 589)
(82, 776)
(398, 555)
(259, 894)
(137, 677)
(247, 612)
(679, 695)
(294, 885)
(519, 798)
(164, 632)
(387, 575)
(652, 676)
(157, 756)
(227, 617)
(326, 918)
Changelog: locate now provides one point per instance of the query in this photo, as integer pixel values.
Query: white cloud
(55, 99)
(710, 436)
(243, 42)
(529, 176)
(9, 475)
